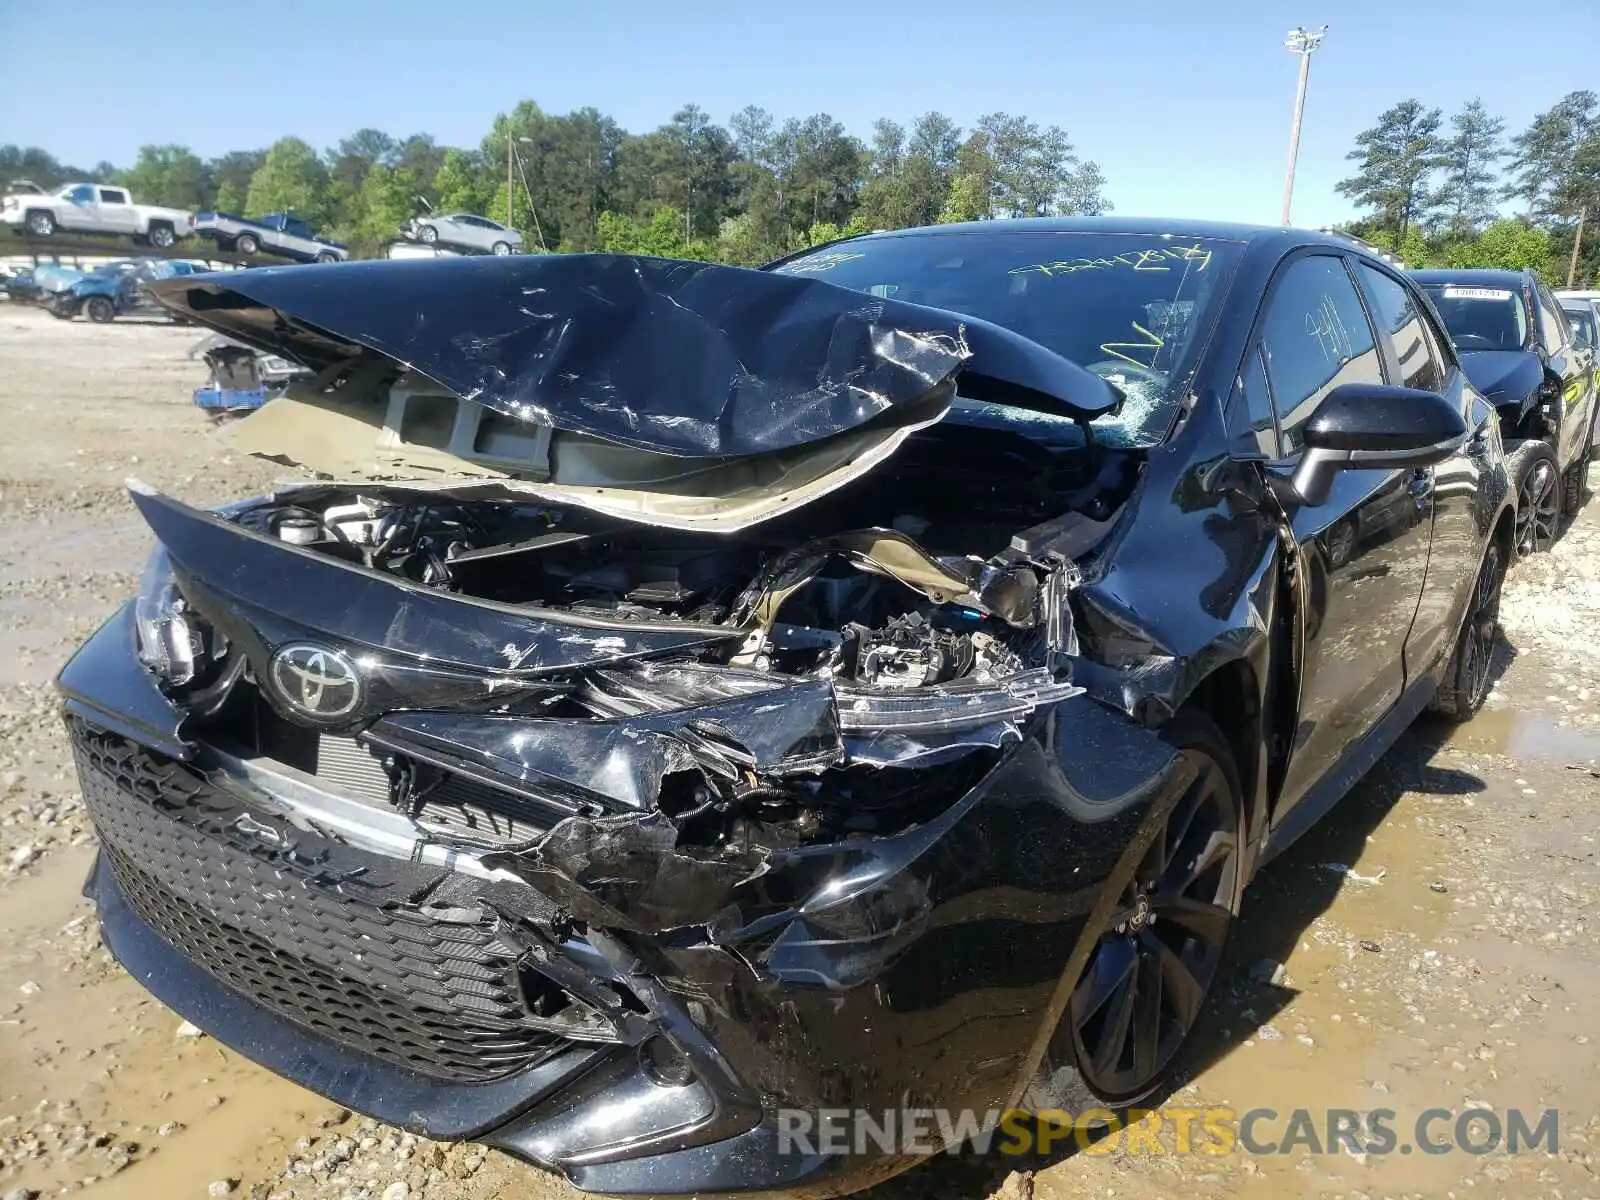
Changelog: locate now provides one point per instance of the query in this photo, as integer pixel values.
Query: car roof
(1149, 226)
(1479, 276)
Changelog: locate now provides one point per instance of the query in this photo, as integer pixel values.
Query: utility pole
(511, 143)
(1577, 245)
(1305, 44)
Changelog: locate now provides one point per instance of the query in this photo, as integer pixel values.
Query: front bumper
(920, 969)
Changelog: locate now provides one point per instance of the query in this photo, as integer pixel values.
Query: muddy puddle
(1527, 736)
(98, 1093)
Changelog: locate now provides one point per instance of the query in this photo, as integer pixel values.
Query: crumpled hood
(680, 358)
(1503, 376)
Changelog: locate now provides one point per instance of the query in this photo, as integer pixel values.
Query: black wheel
(428, 235)
(1466, 677)
(247, 243)
(327, 256)
(1142, 990)
(502, 248)
(99, 309)
(1538, 498)
(161, 236)
(41, 224)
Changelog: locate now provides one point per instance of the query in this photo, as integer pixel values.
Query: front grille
(320, 934)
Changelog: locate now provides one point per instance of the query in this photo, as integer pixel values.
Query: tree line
(743, 192)
(1434, 194)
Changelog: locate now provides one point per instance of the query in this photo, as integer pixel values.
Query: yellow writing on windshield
(1152, 343)
(1157, 258)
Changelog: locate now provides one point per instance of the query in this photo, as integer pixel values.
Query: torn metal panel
(693, 359)
(342, 435)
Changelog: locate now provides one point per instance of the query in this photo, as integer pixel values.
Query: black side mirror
(1373, 426)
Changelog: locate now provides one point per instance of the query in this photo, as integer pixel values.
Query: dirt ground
(1437, 933)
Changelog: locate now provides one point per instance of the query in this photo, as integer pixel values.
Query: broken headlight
(171, 638)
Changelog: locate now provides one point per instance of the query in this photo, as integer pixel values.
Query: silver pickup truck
(278, 234)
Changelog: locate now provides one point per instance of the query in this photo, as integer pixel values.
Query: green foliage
(169, 175)
(1468, 158)
(661, 236)
(968, 200)
(748, 191)
(291, 179)
(461, 184)
(1397, 156)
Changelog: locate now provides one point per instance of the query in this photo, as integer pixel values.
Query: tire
(1466, 676)
(502, 248)
(1159, 929)
(428, 235)
(100, 310)
(327, 256)
(40, 224)
(1537, 480)
(247, 243)
(161, 235)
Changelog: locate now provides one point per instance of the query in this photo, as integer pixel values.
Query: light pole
(1304, 43)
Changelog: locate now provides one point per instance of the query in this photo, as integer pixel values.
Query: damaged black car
(668, 696)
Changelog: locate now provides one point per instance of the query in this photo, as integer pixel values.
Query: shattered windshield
(1128, 307)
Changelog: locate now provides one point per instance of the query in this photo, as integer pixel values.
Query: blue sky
(1186, 107)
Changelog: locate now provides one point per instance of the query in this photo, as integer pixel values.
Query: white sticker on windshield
(1452, 292)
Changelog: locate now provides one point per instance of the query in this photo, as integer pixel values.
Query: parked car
(281, 234)
(24, 187)
(415, 250)
(1514, 343)
(95, 209)
(21, 287)
(464, 230)
(118, 289)
(724, 696)
(1583, 322)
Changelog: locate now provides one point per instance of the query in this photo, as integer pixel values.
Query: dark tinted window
(1255, 401)
(1315, 336)
(1130, 307)
(1402, 323)
(1552, 322)
(113, 196)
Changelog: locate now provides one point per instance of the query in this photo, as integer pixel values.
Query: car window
(1581, 324)
(82, 194)
(1254, 399)
(1400, 319)
(1552, 325)
(1315, 336)
(113, 196)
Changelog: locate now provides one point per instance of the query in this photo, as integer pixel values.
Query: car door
(1363, 552)
(480, 234)
(84, 210)
(1570, 368)
(1418, 356)
(116, 211)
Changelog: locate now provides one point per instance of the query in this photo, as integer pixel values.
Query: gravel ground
(1431, 944)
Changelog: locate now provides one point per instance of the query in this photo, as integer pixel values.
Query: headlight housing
(171, 638)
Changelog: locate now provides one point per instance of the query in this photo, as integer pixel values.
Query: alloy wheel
(1538, 508)
(1482, 628)
(1146, 981)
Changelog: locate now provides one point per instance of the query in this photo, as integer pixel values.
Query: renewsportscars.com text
(1170, 1130)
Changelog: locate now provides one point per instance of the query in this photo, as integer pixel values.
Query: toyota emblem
(315, 681)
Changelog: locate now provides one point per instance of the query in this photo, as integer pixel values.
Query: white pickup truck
(95, 208)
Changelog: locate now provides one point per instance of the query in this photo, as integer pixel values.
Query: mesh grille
(317, 940)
